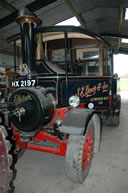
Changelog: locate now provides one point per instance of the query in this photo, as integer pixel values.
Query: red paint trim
(88, 150)
(81, 106)
(60, 113)
(57, 151)
(110, 101)
(48, 69)
(44, 136)
(12, 74)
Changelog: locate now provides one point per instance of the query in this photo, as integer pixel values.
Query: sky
(121, 64)
(71, 21)
(120, 60)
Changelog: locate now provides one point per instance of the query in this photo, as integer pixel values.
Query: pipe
(27, 23)
(8, 6)
(66, 63)
(15, 59)
(39, 49)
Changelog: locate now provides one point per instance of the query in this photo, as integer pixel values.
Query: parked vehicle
(63, 94)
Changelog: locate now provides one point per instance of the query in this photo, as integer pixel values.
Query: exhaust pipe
(28, 23)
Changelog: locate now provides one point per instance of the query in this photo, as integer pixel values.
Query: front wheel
(79, 155)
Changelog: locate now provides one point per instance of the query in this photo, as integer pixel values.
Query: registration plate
(23, 83)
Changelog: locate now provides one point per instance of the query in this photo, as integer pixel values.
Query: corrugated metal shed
(104, 17)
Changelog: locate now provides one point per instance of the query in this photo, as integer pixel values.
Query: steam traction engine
(64, 94)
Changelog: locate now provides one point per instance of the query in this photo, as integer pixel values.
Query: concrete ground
(44, 173)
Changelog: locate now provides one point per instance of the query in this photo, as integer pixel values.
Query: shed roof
(104, 17)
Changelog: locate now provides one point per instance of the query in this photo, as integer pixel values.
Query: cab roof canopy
(107, 18)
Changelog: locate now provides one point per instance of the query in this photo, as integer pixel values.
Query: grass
(123, 84)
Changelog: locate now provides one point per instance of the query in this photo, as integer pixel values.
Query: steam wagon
(64, 87)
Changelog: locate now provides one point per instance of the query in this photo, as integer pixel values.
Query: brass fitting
(27, 19)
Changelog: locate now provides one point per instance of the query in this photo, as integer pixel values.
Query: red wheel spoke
(88, 149)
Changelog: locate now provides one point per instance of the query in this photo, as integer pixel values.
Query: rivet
(2, 156)
(3, 171)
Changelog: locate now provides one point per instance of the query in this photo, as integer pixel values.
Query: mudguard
(77, 120)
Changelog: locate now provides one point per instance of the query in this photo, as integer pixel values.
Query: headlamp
(90, 105)
(74, 101)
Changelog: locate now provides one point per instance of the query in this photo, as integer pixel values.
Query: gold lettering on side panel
(87, 91)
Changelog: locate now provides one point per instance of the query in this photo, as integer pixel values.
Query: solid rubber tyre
(7, 164)
(76, 168)
(114, 121)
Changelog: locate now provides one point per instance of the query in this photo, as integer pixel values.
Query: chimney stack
(28, 23)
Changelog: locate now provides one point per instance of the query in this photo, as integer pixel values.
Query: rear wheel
(79, 155)
(114, 120)
(7, 170)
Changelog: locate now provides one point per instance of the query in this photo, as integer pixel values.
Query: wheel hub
(88, 149)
